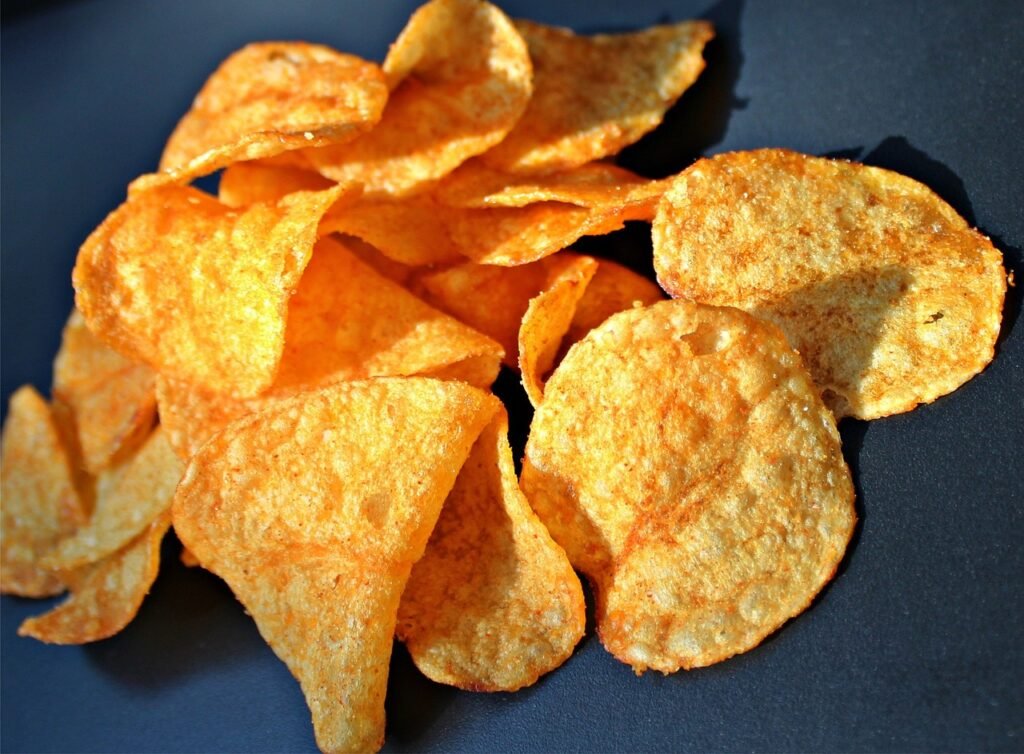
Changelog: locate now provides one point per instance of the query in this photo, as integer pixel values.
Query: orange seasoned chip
(345, 322)
(269, 98)
(40, 504)
(106, 595)
(111, 400)
(684, 459)
(129, 497)
(548, 318)
(196, 289)
(314, 512)
(460, 77)
(891, 299)
(613, 289)
(493, 604)
(593, 95)
(262, 181)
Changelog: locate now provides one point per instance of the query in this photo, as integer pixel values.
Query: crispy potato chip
(683, 458)
(40, 504)
(891, 299)
(613, 289)
(111, 400)
(593, 95)
(548, 318)
(597, 184)
(460, 77)
(106, 595)
(493, 604)
(314, 512)
(196, 289)
(129, 497)
(269, 98)
(262, 181)
(370, 255)
(345, 322)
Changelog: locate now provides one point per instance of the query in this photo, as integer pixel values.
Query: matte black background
(916, 645)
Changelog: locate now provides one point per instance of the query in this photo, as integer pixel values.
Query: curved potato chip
(891, 299)
(196, 289)
(268, 98)
(593, 95)
(106, 595)
(548, 318)
(129, 497)
(683, 458)
(460, 77)
(111, 400)
(40, 503)
(493, 604)
(613, 289)
(314, 512)
(261, 181)
(596, 184)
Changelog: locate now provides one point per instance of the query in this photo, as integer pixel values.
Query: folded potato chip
(129, 497)
(547, 319)
(891, 299)
(268, 98)
(683, 458)
(493, 604)
(105, 595)
(314, 511)
(111, 400)
(262, 181)
(460, 77)
(593, 95)
(198, 290)
(40, 505)
(613, 289)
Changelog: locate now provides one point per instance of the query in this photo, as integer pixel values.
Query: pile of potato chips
(295, 373)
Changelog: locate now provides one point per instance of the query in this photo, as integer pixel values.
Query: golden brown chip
(683, 458)
(314, 512)
(111, 400)
(106, 595)
(345, 322)
(891, 299)
(493, 604)
(593, 95)
(262, 181)
(613, 289)
(269, 98)
(40, 505)
(196, 289)
(460, 77)
(548, 318)
(129, 497)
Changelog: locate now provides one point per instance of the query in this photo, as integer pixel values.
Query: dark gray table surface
(916, 645)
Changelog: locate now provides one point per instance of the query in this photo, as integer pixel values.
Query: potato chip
(196, 289)
(314, 512)
(106, 595)
(891, 299)
(110, 399)
(460, 77)
(548, 318)
(268, 98)
(40, 503)
(493, 604)
(613, 289)
(129, 497)
(593, 95)
(261, 181)
(596, 184)
(684, 459)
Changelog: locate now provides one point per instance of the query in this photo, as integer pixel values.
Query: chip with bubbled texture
(890, 297)
(683, 458)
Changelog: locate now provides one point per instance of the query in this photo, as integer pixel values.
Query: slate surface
(915, 646)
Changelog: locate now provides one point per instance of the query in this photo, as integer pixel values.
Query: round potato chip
(891, 299)
(196, 289)
(269, 98)
(493, 604)
(460, 77)
(105, 595)
(593, 95)
(313, 511)
(683, 458)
